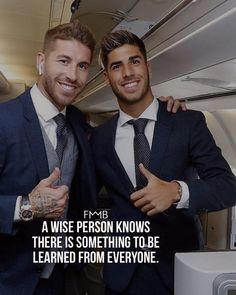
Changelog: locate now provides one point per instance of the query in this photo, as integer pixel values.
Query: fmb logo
(97, 214)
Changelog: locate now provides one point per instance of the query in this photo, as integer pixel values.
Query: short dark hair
(70, 31)
(117, 39)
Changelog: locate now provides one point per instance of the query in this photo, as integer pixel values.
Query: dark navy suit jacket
(182, 149)
(23, 163)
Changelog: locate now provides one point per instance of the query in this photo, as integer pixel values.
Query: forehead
(70, 48)
(123, 53)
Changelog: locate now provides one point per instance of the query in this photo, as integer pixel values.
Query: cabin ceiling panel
(192, 56)
(207, 46)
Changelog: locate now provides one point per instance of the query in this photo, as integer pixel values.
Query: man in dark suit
(46, 168)
(165, 173)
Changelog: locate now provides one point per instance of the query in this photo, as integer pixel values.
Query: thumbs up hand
(47, 200)
(157, 196)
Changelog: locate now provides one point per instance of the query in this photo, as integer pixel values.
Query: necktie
(141, 149)
(62, 135)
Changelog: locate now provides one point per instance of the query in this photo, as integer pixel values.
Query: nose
(71, 73)
(127, 70)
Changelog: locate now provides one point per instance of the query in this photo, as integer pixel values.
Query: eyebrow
(115, 63)
(63, 56)
(131, 58)
(134, 57)
(69, 58)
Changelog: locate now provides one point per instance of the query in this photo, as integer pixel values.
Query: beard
(132, 98)
(51, 86)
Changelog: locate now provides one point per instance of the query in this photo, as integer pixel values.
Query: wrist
(37, 212)
(177, 191)
(26, 213)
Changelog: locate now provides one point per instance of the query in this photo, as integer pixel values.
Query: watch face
(26, 214)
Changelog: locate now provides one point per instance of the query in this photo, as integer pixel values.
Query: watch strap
(25, 200)
(26, 213)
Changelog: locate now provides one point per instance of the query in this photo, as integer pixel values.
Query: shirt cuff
(17, 209)
(184, 201)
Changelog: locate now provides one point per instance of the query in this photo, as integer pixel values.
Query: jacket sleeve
(7, 202)
(216, 187)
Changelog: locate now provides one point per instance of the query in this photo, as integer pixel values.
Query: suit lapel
(75, 123)
(160, 140)
(113, 157)
(34, 135)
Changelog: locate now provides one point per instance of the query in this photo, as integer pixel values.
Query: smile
(67, 87)
(130, 84)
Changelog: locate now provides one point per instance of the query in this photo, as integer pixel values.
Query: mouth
(130, 85)
(67, 87)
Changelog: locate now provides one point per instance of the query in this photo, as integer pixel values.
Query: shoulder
(180, 117)
(9, 105)
(78, 116)
(108, 125)
(11, 110)
(105, 131)
(74, 112)
(15, 103)
(11, 117)
(16, 113)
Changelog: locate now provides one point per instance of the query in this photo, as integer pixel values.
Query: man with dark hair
(157, 166)
(46, 169)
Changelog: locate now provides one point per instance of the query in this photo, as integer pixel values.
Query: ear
(105, 75)
(40, 62)
(149, 68)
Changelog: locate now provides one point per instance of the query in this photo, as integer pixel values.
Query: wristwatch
(26, 213)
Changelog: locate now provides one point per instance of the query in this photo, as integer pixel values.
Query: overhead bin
(197, 37)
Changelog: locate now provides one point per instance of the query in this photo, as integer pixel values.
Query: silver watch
(26, 213)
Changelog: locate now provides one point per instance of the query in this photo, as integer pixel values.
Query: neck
(136, 109)
(45, 94)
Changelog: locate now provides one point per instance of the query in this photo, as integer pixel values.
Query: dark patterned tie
(62, 135)
(141, 149)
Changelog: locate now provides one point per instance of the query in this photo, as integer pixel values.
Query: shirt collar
(45, 109)
(150, 113)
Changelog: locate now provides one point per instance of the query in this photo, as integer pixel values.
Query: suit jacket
(23, 163)
(182, 149)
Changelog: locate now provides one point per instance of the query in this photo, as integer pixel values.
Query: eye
(136, 61)
(63, 61)
(115, 67)
(83, 66)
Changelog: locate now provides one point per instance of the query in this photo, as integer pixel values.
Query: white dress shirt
(124, 145)
(46, 111)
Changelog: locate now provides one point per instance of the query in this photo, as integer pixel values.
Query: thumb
(54, 176)
(144, 171)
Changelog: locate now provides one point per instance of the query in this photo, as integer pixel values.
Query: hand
(173, 104)
(157, 196)
(48, 201)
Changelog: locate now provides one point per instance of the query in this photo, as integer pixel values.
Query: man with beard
(157, 166)
(46, 169)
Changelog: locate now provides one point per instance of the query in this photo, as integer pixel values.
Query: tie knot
(139, 125)
(60, 119)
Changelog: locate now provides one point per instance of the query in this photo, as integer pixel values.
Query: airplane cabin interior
(191, 45)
